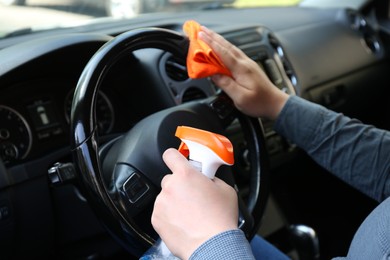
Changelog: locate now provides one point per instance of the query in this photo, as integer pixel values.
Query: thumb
(175, 161)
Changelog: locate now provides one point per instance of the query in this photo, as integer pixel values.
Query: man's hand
(250, 88)
(191, 208)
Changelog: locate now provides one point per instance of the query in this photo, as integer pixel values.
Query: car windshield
(19, 17)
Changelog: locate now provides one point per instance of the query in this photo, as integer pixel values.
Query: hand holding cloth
(201, 60)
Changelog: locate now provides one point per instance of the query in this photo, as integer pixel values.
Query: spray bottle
(206, 151)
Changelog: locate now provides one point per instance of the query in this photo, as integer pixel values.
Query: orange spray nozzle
(210, 149)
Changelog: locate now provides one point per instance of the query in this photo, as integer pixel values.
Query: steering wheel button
(135, 188)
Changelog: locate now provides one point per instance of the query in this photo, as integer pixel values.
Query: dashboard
(37, 110)
(38, 107)
(335, 57)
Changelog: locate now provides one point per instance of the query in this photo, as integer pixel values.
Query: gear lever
(305, 240)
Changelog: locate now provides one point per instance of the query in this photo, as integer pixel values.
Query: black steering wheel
(121, 178)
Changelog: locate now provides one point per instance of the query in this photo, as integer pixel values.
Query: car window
(47, 14)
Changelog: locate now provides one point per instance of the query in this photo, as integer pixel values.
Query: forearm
(356, 153)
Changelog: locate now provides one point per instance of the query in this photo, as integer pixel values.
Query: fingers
(219, 41)
(175, 161)
(233, 58)
(227, 52)
(165, 181)
(226, 83)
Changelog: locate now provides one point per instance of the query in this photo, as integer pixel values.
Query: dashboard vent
(241, 38)
(359, 24)
(176, 69)
(181, 87)
(193, 94)
(283, 59)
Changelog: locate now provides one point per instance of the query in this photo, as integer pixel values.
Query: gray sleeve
(357, 153)
(227, 245)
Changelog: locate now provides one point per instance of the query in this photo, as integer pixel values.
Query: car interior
(86, 112)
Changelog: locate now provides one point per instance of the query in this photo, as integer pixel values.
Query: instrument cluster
(38, 121)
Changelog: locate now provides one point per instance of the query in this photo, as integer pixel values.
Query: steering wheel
(121, 178)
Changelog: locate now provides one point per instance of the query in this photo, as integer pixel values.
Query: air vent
(244, 37)
(356, 20)
(193, 94)
(369, 38)
(283, 59)
(176, 69)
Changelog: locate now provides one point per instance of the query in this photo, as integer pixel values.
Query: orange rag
(201, 60)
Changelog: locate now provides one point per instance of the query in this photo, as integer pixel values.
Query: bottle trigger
(183, 149)
(209, 150)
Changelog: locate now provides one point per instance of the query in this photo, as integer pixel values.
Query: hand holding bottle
(185, 230)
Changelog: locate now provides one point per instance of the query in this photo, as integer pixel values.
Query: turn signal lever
(61, 173)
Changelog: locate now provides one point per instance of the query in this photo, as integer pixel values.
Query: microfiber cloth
(201, 60)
